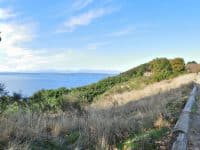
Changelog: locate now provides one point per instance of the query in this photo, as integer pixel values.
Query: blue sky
(44, 35)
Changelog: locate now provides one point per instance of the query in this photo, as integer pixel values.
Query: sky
(95, 35)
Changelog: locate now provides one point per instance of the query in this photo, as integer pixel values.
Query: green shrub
(12, 108)
(178, 65)
(146, 139)
(161, 68)
(192, 62)
(47, 100)
(72, 137)
(137, 71)
(47, 144)
(4, 102)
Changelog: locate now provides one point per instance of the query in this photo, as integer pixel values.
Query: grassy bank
(159, 135)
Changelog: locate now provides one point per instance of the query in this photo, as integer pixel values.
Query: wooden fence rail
(182, 126)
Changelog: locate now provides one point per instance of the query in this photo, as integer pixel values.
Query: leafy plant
(178, 65)
(161, 68)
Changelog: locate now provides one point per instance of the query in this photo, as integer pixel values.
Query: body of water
(29, 83)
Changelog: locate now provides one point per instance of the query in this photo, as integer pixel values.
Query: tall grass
(108, 98)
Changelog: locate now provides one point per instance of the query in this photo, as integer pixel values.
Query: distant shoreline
(110, 73)
(29, 83)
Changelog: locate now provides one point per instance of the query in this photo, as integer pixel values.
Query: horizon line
(65, 72)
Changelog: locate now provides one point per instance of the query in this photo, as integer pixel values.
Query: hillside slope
(121, 125)
(136, 78)
(152, 89)
(141, 118)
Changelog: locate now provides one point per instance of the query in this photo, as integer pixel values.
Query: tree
(178, 65)
(192, 62)
(161, 68)
(16, 96)
(4, 99)
(3, 92)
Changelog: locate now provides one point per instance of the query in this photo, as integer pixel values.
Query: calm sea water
(28, 83)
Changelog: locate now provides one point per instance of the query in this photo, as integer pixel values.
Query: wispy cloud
(6, 14)
(83, 19)
(96, 45)
(80, 4)
(122, 32)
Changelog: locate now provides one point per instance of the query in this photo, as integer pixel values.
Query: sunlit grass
(146, 137)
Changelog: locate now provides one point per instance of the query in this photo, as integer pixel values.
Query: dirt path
(194, 132)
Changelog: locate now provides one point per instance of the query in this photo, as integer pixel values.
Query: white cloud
(15, 57)
(80, 4)
(83, 19)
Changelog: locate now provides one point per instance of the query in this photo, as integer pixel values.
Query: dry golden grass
(156, 88)
(106, 127)
(161, 122)
(26, 127)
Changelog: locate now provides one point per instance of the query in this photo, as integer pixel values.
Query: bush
(12, 108)
(46, 100)
(4, 102)
(137, 71)
(192, 62)
(161, 68)
(178, 65)
(16, 96)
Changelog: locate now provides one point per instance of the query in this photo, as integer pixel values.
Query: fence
(182, 126)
